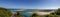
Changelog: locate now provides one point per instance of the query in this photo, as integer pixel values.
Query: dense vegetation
(5, 12)
(35, 15)
(58, 12)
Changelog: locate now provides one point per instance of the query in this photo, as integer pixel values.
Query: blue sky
(30, 4)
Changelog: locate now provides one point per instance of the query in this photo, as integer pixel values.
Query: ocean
(26, 12)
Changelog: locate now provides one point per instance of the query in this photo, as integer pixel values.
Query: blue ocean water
(25, 12)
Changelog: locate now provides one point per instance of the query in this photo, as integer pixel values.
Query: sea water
(25, 12)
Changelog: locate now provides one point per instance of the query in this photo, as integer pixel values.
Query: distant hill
(30, 10)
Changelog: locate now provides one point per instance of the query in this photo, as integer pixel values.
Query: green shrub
(5, 12)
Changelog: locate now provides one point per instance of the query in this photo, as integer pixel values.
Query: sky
(30, 4)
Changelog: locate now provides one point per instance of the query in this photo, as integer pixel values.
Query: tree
(35, 15)
(57, 12)
(5, 12)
